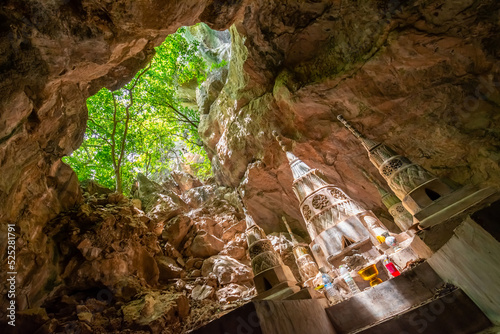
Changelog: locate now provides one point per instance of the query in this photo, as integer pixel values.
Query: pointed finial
(280, 140)
(290, 156)
(249, 220)
(294, 241)
(367, 143)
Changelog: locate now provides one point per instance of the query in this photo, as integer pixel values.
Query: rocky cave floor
(421, 76)
(169, 268)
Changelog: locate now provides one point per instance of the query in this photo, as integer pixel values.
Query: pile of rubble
(181, 262)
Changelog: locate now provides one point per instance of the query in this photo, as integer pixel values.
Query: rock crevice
(422, 76)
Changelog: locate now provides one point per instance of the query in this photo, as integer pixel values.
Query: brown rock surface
(201, 292)
(112, 269)
(185, 181)
(421, 75)
(205, 244)
(168, 268)
(226, 269)
(236, 247)
(53, 56)
(176, 229)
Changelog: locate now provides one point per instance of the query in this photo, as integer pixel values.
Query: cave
(347, 134)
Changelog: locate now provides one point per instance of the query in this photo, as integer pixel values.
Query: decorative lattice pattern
(306, 211)
(392, 166)
(398, 210)
(412, 176)
(259, 247)
(265, 261)
(338, 194)
(320, 202)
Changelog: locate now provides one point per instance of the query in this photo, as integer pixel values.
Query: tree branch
(99, 126)
(185, 139)
(127, 112)
(89, 157)
(113, 133)
(186, 119)
(101, 137)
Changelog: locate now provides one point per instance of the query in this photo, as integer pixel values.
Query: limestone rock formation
(226, 270)
(201, 292)
(115, 267)
(421, 75)
(205, 244)
(233, 292)
(155, 311)
(169, 268)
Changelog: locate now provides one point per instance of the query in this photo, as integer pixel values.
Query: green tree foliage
(141, 127)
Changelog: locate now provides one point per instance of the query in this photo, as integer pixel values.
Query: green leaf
(143, 126)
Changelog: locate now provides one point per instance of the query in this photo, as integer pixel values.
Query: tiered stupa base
(417, 301)
(275, 283)
(451, 205)
(412, 303)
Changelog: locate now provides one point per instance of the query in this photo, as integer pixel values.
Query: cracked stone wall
(420, 75)
(54, 54)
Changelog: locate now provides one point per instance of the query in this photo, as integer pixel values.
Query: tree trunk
(118, 179)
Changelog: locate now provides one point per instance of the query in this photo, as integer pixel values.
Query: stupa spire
(249, 220)
(367, 143)
(294, 240)
(299, 168)
(416, 187)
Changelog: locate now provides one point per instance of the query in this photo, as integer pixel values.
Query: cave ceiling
(421, 76)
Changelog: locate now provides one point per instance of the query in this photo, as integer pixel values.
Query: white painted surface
(293, 317)
(471, 261)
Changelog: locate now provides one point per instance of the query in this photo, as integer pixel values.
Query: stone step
(272, 317)
(453, 313)
(406, 304)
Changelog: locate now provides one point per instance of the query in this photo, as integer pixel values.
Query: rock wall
(54, 54)
(421, 75)
(114, 268)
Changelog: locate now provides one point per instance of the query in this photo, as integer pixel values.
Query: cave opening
(174, 254)
(150, 125)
